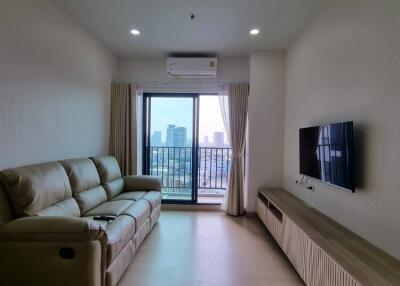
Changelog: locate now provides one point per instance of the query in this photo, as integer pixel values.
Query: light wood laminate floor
(209, 249)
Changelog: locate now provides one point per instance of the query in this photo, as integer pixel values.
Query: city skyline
(177, 111)
(177, 139)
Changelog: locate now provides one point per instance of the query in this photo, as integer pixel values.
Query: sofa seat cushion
(140, 211)
(113, 208)
(154, 198)
(134, 196)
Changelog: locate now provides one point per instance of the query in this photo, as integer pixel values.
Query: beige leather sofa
(50, 232)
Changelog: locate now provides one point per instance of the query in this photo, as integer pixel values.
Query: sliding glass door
(170, 140)
(186, 145)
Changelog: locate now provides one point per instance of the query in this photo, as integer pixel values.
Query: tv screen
(326, 154)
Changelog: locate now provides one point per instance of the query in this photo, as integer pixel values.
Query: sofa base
(124, 259)
(120, 264)
(155, 215)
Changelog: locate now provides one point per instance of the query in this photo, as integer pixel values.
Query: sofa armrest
(52, 229)
(142, 183)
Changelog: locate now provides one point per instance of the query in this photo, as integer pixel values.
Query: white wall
(230, 70)
(346, 66)
(54, 86)
(266, 73)
(265, 136)
(155, 70)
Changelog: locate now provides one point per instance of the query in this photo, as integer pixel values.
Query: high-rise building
(180, 137)
(170, 134)
(155, 139)
(206, 142)
(176, 136)
(219, 139)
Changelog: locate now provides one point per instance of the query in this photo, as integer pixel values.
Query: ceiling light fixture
(135, 32)
(254, 32)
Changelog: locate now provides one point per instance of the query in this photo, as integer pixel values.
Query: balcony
(174, 166)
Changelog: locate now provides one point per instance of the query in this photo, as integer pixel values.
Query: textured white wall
(265, 136)
(54, 86)
(346, 66)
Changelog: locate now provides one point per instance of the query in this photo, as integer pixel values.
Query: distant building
(176, 136)
(180, 137)
(219, 139)
(206, 142)
(155, 139)
(170, 134)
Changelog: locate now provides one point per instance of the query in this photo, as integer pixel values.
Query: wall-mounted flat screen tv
(326, 154)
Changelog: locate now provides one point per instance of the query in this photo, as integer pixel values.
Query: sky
(178, 111)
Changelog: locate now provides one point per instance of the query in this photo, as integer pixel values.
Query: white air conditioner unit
(192, 67)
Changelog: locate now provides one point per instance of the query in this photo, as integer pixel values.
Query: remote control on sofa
(105, 217)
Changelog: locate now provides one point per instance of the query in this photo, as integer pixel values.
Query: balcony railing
(174, 166)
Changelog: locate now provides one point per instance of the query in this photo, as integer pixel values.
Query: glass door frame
(195, 139)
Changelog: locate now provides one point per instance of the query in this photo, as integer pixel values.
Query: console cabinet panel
(295, 245)
(314, 266)
(274, 226)
(261, 209)
(323, 252)
(323, 270)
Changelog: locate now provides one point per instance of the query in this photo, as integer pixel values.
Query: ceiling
(220, 27)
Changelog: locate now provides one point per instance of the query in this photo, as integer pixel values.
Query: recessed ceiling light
(254, 32)
(135, 32)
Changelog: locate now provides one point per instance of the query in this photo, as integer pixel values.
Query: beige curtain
(234, 110)
(123, 141)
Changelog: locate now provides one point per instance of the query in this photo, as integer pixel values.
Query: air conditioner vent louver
(192, 67)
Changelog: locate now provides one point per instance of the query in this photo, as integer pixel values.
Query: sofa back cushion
(85, 183)
(34, 188)
(67, 207)
(110, 175)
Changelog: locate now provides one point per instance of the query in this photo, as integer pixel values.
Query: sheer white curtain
(234, 105)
